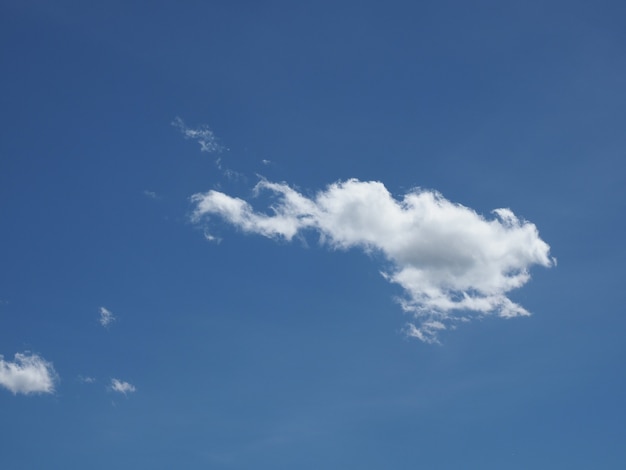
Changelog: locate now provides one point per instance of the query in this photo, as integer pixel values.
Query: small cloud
(208, 143)
(28, 373)
(122, 387)
(211, 238)
(106, 317)
(266, 162)
(202, 134)
(150, 194)
(427, 332)
(86, 380)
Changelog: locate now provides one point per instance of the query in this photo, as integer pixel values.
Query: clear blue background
(251, 354)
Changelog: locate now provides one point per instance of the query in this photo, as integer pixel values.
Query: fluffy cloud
(451, 262)
(106, 316)
(122, 387)
(28, 373)
(203, 135)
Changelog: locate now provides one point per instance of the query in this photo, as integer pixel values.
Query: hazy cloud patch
(212, 238)
(120, 386)
(451, 262)
(106, 317)
(202, 134)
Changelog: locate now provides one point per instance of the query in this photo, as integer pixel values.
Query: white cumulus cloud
(451, 262)
(122, 387)
(28, 373)
(106, 316)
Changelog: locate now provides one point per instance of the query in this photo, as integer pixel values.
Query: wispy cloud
(86, 379)
(28, 373)
(450, 261)
(122, 387)
(208, 143)
(106, 317)
(211, 238)
(150, 194)
(202, 134)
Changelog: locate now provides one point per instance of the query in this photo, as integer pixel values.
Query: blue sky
(261, 235)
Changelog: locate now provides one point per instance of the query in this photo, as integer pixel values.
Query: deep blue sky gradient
(256, 354)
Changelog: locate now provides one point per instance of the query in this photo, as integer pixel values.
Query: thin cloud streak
(27, 374)
(209, 143)
(451, 262)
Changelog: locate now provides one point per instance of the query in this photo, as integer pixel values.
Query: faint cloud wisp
(202, 134)
(446, 257)
(208, 143)
(122, 387)
(106, 317)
